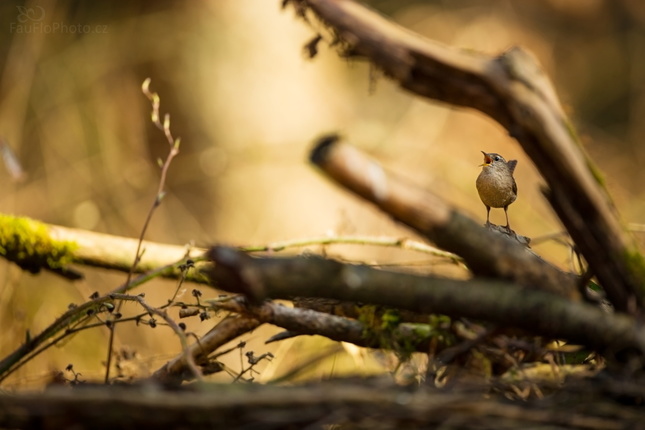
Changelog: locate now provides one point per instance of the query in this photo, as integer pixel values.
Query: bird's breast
(496, 189)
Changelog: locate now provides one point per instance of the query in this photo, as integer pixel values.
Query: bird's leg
(508, 225)
(487, 216)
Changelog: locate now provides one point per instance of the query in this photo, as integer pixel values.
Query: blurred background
(248, 105)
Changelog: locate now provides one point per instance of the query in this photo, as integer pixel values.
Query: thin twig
(75, 316)
(190, 361)
(636, 227)
(174, 150)
(402, 243)
(173, 372)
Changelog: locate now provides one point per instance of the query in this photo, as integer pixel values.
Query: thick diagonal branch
(513, 90)
(536, 311)
(486, 253)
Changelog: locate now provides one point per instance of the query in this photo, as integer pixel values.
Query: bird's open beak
(487, 160)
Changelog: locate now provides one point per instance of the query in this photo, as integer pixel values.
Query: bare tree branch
(485, 252)
(357, 404)
(116, 252)
(536, 311)
(310, 322)
(35, 245)
(512, 89)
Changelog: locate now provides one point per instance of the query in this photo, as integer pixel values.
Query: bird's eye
(497, 158)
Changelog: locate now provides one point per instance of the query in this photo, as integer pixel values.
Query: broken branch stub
(486, 253)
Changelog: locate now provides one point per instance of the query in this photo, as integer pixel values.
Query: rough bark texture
(536, 311)
(300, 321)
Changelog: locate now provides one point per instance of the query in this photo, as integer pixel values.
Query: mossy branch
(34, 245)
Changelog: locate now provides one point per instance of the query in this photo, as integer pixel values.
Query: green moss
(573, 133)
(440, 329)
(27, 243)
(636, 265)
(367, 316)
(596, 173)
(382, 324)
(390, 319)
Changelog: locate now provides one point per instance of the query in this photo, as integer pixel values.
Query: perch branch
(512, 89)
(486, 253)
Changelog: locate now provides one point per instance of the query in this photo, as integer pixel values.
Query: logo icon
(30, 14)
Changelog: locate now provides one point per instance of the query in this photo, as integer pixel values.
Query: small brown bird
(496, 185)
